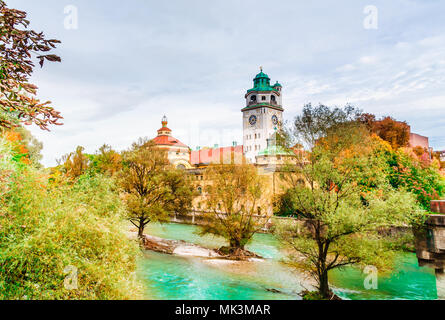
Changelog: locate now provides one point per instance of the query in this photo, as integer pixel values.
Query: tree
(339, 215)
(75, 163)
(152, 187)
(17, 47)
(106, 160)
(33, 146)
(235, 196)
(387, 128)
(26, 146)
(407, 170)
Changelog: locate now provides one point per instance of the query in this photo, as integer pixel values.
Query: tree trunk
(235, 243)
(141, 230)
(323, 289)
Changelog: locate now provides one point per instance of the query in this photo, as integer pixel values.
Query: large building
(262, 118)
(262, 115)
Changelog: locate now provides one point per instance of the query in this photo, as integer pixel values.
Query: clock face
(252, 120)
(275, 120)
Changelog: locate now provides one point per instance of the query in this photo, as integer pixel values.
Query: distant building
(262, 118)
(217, 155)
(178, 152)
(416, 140)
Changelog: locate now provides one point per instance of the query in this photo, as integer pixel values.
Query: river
(192, 278)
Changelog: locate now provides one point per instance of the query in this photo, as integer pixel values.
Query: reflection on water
(174, 277)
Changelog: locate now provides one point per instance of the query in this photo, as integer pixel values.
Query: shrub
(47, 228)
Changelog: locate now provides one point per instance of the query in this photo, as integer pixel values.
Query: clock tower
(262, 116)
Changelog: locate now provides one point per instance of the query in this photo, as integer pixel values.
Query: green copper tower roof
(261, 82)
(275, 151)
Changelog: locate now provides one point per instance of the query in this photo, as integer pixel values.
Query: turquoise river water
(192, 278)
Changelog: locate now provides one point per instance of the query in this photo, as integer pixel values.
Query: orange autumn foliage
(22, 151)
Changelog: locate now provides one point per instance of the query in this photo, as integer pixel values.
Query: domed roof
(165, 138)
(277, 85)
(261, 82)
(261, 75)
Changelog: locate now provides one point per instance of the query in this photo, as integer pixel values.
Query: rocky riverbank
(182, 248)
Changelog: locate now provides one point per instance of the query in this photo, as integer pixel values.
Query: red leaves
(17, 47)
(49, 57)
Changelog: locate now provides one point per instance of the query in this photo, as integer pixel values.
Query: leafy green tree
(152, 187)
(106, 160)
(18, 46)
(338, 217)
(408, 172)
(235, 197)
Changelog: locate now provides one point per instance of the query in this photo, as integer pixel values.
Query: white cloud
(127, 66)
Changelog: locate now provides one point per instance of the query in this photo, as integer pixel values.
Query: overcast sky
(130, 62)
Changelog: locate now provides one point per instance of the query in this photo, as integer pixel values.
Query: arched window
(263, 98)
(200, 190)
(273, 98)
(180, 167)
(253, 98)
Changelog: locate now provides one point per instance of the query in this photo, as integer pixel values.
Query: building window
(273, 98)
(263, 98)
(259, 210)
(253, 98)
(200, 190)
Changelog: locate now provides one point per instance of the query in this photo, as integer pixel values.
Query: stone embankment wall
(196, 218)
(430, 245)
(438, 206)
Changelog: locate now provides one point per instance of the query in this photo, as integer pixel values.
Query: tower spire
(164, 121)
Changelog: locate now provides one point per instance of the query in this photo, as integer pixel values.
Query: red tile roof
(165, 140)
(164, 129)
(216, 156)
